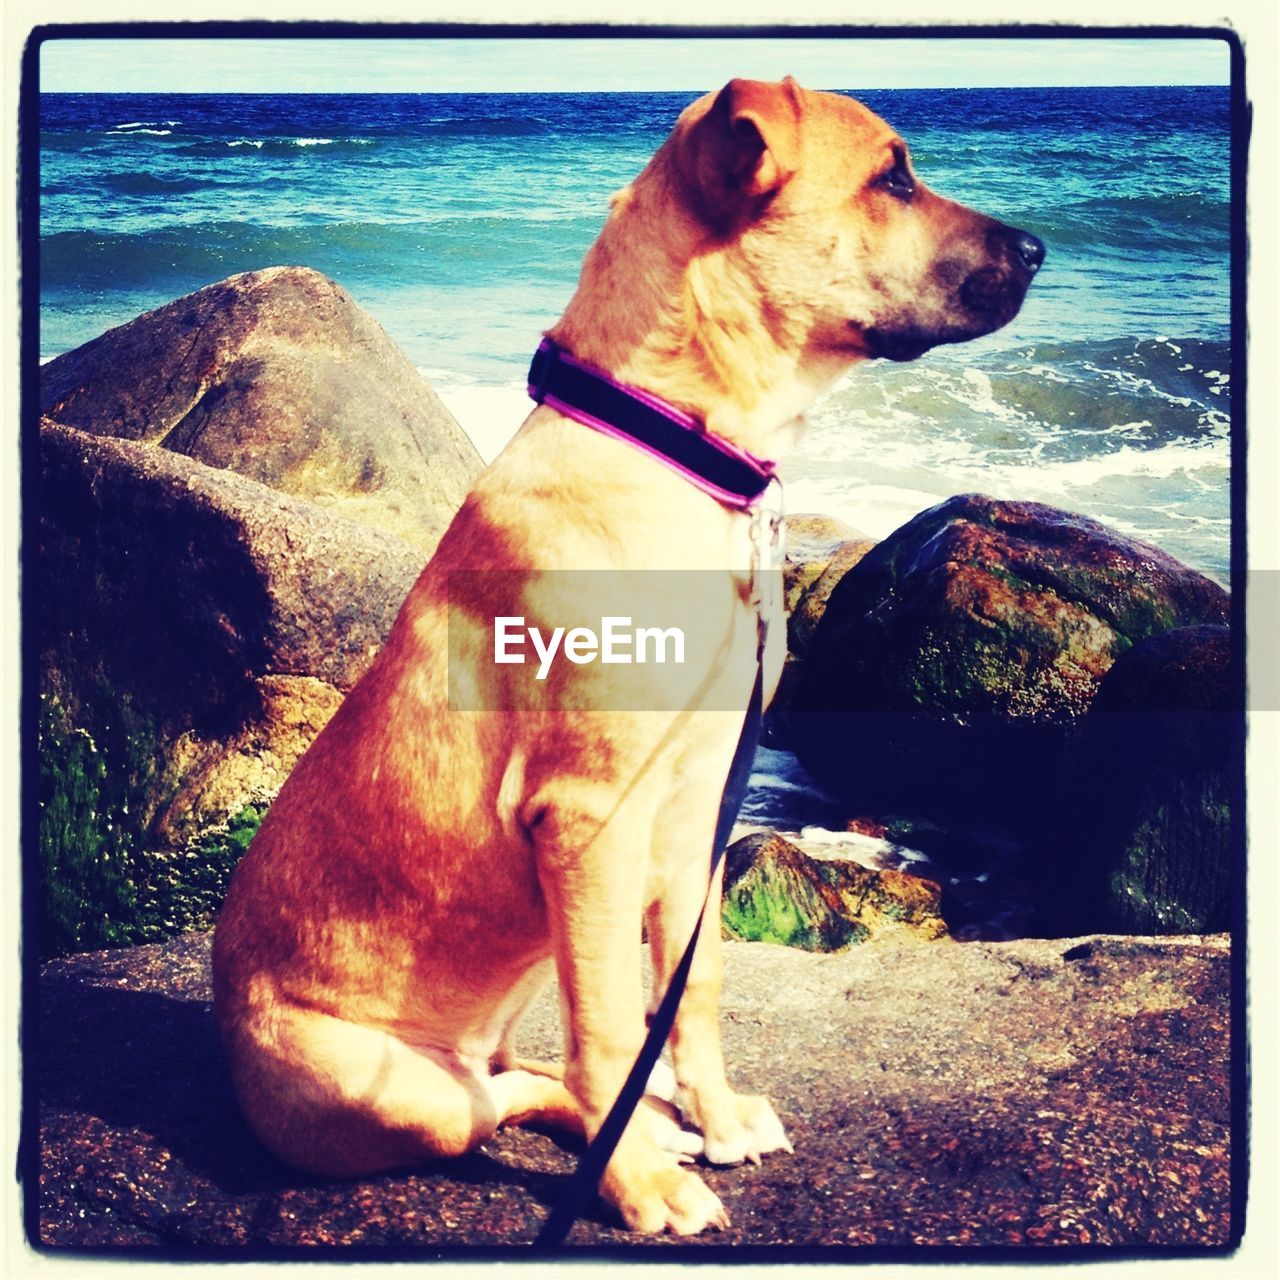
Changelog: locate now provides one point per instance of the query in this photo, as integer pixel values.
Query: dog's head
(816, 197)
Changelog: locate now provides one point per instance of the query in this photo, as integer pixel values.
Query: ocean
(459, 221)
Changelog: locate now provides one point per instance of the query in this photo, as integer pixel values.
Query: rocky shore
(989, 990)
(1040, 1093)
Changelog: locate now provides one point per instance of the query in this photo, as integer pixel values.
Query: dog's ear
(743, 149)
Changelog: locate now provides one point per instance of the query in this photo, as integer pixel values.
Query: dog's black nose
(1030, 250)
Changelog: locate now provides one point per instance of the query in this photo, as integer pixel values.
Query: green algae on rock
(99, 883)
(774, 892)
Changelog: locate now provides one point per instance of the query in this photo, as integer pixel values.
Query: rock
(819, 550)
(986, 894)
(278, 376)
(221, 619)
(811, 535)
(774, 892)
(237, 492)
(954, 657)
(1070, 1092)
(1148, 792)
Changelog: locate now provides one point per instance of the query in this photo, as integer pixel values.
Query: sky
(425, 65)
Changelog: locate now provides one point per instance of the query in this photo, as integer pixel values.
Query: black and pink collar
(591, 396)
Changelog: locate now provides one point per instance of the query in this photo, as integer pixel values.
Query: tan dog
(425, 869)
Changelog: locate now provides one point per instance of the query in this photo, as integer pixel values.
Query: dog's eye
(898, 181)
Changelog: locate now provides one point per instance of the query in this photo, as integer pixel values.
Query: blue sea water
(460, 221)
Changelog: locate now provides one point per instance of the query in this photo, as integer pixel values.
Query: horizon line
(552, 93)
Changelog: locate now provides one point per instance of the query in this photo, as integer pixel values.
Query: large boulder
(279, 376)
(236, 493)
(1148, 792)
(952, 660)
(222, 619)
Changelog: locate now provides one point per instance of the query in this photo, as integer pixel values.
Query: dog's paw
(667, 1199)
(662, 1082)
(750, 1131)
(685, 1144)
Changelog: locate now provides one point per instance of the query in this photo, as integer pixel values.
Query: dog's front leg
(593, 882)
(735, 1127)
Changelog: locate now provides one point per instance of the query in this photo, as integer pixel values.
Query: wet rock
(986, 894)
(278, 376)
(1148, 792)
(775, 892)
(221, 619)
(237, 491)
(953, 659)
(819, 551)
(1032, 1093)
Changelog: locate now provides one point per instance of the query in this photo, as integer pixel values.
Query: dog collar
(588, 395)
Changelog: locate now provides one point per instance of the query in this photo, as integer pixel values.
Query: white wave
(313, 142)
(876, 510)
(1157, 464)
(773, 782)
(874, 852)
(904, 475)
(1134, 383)
(1046, 373)
(133, 133)
(489, 415)
(982, 397)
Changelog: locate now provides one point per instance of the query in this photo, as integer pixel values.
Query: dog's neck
(643, 313)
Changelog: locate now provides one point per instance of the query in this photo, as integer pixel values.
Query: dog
(425, 870)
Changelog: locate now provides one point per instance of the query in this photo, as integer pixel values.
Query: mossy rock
(1148, 836)
(236, 492)
(99, 884)
(953, 659)
(774, 892)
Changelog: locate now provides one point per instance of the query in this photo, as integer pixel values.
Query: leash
(738, 480)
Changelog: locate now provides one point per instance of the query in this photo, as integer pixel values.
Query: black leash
(586, 1176)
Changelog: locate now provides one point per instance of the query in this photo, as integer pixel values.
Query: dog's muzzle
(994, 292)
(988, 296)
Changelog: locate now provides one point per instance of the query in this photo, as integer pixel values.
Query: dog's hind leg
(530, 1098)
(341, 1099)
(547, 1110)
